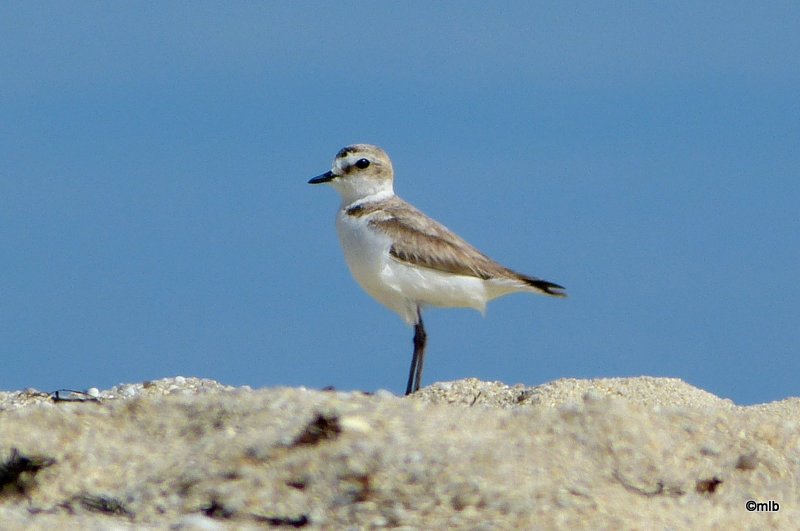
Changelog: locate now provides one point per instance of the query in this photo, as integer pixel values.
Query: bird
(406, 260)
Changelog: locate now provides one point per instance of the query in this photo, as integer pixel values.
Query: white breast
(367, 253)
(397, 285)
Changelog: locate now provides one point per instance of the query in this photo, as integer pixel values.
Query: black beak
(324, 178)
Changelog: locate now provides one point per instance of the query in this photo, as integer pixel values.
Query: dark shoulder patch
(356, 211)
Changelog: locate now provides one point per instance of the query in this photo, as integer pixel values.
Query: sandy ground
(185, 453)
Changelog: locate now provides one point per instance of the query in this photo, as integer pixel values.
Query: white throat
(380, 195)
(354, 190)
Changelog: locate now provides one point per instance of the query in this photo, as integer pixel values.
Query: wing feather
(424, 242)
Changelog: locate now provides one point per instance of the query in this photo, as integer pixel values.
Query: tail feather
(548, 288)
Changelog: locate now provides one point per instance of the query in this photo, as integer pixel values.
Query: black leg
(415, 373)
(412, 371)
(420, 339)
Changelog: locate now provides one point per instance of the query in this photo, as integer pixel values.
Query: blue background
(155, 218)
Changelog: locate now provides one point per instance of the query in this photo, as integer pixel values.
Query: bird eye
(362, 163)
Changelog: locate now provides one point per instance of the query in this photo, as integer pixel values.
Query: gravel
(189, 453)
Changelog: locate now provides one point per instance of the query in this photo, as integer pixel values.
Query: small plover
(405, 259)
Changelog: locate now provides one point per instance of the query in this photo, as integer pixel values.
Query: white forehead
(349, 155)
